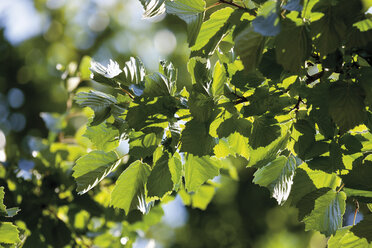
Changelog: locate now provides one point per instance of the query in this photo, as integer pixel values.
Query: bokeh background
(39, 39)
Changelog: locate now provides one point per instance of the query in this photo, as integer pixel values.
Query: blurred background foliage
(43, 44)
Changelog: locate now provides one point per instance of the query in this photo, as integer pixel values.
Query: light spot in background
(99, 21)
(16, 98)
(2, 140)
(124, 240)
(21, 20)
(17, 122)
(55, 4)
(2, 156)
(144, 243)
(3, 113)
(175, 213)
(25, 167)
(165, 42)
(105, 3)
(123, 147)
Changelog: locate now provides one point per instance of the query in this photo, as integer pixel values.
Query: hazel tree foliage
(285, 86)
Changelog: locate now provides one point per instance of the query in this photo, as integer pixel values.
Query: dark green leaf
(293, 46)
(102, 104)
(364, 228)
(160, 180)
(249, 46)
(142, 145)
(196, 139)
(231, 125)
(264, 131)
(264, 155)
(330, 30)
(159, 85)
(346, 105)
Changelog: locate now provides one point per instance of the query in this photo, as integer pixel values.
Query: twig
(250, 11)
(314, 77)
(297, 106)
(241, 99)
(213, 5)
(128, 93)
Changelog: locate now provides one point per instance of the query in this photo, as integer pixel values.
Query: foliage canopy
(284, 86)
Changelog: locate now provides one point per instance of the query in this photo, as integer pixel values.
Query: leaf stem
(340, 188)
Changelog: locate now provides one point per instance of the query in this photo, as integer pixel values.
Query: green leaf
(249, 46)
(201, 106)
(103, 137)
(198, 170)
(359, 177)
(356, 192)
(105, 75)
(264, 155)
(326, 217)
(175, 168)
(306, 181)
(84, 68)
(2, 206)
(93, 168)
(219, 79)
(160, 180)
(192, 12)
(293, 46)
(364, 228)
(199, 69)
(196, 139)
(9, 233)
(330, 31)
(202, 197)
(264, 131)
(130, 187)
(277, 176)
(11, 212)
(159, 85)
(152, 8)
(210, 29)
(199, 199)
(102, 104)
(134, 72)
(346, 105)
(142, 145)
(233, 124)
(364, 25)
(346, 239)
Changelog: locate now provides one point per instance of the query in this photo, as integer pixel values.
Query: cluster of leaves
(37, 178)
(9, 234)
(283, 85)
